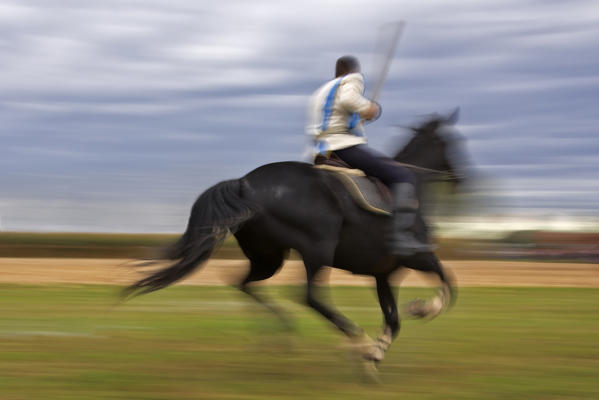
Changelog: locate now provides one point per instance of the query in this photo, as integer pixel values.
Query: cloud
(170, 97)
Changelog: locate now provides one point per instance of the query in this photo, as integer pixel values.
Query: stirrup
(405, 244)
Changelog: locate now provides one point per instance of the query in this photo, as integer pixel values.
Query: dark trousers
(376, 164)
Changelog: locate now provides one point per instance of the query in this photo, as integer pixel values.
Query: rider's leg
(376, 164)
(403, 240)
(402, 182)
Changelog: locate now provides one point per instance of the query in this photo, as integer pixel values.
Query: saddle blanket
(368, 192)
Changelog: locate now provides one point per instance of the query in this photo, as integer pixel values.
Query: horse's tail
(218, 210)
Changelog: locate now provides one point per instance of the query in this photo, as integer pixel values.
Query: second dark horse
(292, 205)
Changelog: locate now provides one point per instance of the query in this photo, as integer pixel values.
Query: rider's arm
(351, 98)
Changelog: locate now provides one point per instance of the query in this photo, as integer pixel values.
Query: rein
(446, 174)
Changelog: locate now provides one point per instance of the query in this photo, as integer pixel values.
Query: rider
(335, 117)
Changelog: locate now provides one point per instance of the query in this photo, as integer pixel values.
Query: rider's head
(346, 65)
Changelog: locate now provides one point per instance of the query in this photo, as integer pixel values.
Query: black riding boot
(402, 240)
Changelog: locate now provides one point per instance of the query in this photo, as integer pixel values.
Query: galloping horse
(293, 205)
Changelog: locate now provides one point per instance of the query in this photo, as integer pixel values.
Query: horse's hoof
(417, 308)
(362, 345)
(375, 354)
(370, 372)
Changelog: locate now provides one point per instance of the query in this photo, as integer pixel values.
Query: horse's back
(281, 171)
(285, 181)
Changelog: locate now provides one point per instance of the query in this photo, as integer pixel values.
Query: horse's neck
(410, 154)
(420, 161)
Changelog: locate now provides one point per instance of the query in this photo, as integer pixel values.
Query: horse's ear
(452, 119)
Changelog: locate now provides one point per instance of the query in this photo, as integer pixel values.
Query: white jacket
(333, 114)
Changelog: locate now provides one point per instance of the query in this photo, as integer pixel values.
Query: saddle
(368, 192)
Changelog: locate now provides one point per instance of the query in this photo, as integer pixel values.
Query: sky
(116, 115)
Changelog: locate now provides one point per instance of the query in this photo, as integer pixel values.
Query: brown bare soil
(223, 272)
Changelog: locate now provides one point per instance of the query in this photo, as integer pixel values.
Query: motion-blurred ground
(519, 330)
(223, 272)
(72, 342)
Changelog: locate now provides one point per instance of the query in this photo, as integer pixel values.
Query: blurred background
(115, 115)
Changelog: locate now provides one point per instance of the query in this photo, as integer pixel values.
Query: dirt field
(222, 272)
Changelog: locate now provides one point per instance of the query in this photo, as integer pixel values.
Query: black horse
(293, 205)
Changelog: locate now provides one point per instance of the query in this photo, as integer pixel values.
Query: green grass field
(69, 342)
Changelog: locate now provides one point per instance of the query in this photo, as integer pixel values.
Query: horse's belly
(363, 252)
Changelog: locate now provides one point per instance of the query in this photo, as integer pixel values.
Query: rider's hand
(372, 112)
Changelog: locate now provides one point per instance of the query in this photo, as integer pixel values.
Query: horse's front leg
(389, 307)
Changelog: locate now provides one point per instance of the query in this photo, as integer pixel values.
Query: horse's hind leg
(263, 267)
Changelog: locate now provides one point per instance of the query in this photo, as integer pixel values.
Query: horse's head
(435, 150)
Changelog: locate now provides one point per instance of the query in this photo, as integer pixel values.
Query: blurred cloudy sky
(115, 115)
